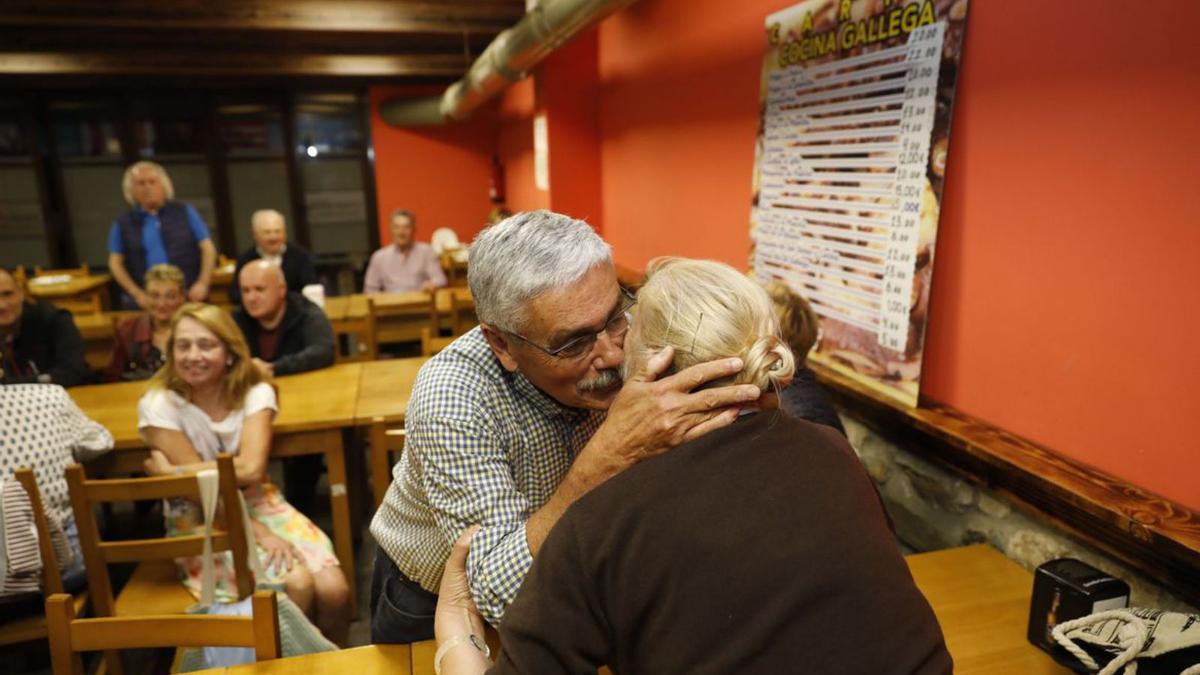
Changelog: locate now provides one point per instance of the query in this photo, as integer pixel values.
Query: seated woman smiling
(761, 547)
(208, 398)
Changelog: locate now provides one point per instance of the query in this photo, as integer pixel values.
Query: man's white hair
(525, 255)
(144, 165)
(258, 216)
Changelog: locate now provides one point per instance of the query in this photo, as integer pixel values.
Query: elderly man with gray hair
(520, 417)
(157, 230)
(271, 244)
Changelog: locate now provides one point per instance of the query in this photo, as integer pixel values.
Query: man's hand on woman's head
(651, 415)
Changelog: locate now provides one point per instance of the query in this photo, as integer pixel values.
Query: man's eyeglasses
(581, 346)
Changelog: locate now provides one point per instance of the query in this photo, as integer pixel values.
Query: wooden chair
(384, 440)
(362, 343)
(82, 271)
(154, 587)
(455, 314)
(33, 626)
(455, 269)
(69, 635)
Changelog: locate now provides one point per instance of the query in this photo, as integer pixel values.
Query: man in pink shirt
(405, 265)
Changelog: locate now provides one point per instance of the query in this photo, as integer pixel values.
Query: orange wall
(1065, 288)
(441, 173)
(1066, 285)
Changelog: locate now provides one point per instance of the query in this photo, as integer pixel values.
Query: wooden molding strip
(152, 62)
(1153, 535)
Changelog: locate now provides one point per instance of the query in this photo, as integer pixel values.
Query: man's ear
(501, 347)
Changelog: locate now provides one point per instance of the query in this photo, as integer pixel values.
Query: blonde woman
(760, 547)
(209, 398)
(140, 342)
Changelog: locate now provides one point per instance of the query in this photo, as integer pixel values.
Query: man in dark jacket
(286, 334)
(38, 342)
(271, 244)
(157, 230)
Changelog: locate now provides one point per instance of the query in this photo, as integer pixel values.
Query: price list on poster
(842, 174)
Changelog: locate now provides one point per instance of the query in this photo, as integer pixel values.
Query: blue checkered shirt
(484, 446)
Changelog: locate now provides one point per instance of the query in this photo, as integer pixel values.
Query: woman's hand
(157, 464)
(456, 612)
(279, 552)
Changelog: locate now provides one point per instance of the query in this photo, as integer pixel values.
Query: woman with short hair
(140, 341)
(208, 398)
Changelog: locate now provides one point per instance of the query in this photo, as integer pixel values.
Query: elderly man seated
(287, 334)
(405, 264)
(271, 244)
(38, 342)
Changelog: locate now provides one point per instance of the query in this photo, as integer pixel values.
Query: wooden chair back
(70, 635)
(446, 306)
(364, 345)
(51, 578)
(97, 554)
(454, 269)
(384, 440)
(82, 271)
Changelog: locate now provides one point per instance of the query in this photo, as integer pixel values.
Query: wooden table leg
(339, 500)
(329, 443)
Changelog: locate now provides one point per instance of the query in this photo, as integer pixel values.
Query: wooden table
(314, 407)
(981, 598)
(383, 395)
(73, 291)
(369, 660)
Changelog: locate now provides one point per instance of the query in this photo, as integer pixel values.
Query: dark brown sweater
(759, 548)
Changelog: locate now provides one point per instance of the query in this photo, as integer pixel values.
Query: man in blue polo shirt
(157, 230)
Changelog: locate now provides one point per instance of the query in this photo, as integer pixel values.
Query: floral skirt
(265, 505)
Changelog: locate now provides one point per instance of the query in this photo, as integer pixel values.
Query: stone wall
(933, 509)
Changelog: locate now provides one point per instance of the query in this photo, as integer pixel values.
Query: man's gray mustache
(604, 379)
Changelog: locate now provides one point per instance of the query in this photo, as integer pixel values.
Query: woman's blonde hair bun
(707, 310)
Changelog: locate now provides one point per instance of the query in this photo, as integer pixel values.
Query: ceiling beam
(448, 16)
(229, 64)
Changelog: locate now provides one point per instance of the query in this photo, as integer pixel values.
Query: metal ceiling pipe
(506, 60)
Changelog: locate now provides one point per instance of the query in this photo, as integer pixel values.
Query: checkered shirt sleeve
(479, 450)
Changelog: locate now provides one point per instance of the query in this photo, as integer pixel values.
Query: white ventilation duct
(506, 60)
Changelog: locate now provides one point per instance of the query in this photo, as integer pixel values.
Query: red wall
(1065, 292)
(1065, 288)
(441, 173)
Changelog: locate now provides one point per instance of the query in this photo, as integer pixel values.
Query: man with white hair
(271, 243)
(155, 231)
(518, 418)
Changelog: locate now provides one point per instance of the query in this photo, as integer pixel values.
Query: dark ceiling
(393, 41)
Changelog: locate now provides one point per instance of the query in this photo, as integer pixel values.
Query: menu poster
(851, 158)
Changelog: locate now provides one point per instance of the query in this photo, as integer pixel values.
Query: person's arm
(68, 367)
(467, 479)
(456, 618)
(88, 439)
(647, 417)
(208, 260)
(373, 281)
(208, 255)
(556, 624)
(318, 349)
(173, 453)
(435, 277)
